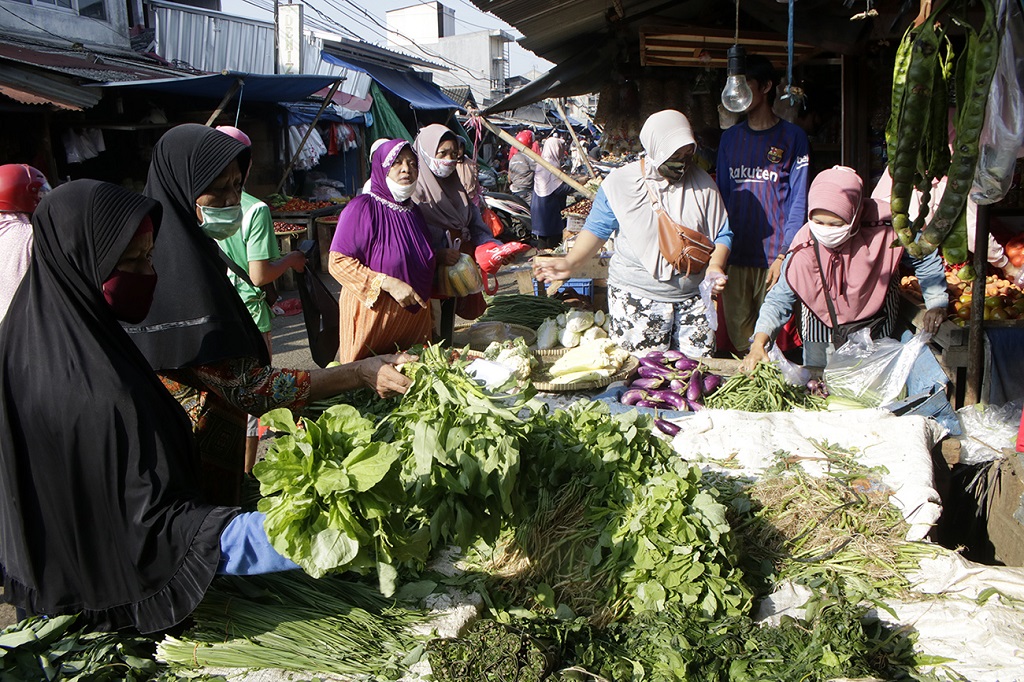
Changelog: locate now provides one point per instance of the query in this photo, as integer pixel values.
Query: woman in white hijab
(549, 194)
(652, 306)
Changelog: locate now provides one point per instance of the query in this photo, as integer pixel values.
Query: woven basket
(539, 374)
(480, 335)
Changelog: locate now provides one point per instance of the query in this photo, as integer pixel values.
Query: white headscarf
(544, 181)
(695, 202)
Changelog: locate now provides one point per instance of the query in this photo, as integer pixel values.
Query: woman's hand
(379, 373)
(448, 256)
(933, 318)
(403, 294)
(552, 270)
(757, 353)
(716, 275)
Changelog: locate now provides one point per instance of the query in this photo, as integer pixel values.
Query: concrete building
(90, 24)
(479, 60)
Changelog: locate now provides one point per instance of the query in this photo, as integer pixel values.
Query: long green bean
(529, 311)
(762, 390)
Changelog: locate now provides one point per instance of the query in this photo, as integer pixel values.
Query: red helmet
(21, 187)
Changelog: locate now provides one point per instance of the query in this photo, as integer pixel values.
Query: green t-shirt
(255, 241)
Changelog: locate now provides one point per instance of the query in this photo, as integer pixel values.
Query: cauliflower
(514, 355)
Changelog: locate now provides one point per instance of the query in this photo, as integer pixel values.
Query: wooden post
(224, 102)
(576, 140)
(557, 172)
(295, 157)
(976, 331)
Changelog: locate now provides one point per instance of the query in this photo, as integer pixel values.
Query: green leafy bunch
(329, 494)
(460, 450)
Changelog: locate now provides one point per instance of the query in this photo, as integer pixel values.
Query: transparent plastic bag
(705, 287)
(794, 374)
(461, 279)
(988, 430)
(1003, 132)
(872, 372)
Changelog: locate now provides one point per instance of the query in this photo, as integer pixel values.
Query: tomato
(1015, 250)
(992, 301)
(964, 313)
(966, 298)
(998, 313)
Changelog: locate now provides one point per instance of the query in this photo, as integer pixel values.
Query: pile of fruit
(287, 228)
(1003, 300)
(580, 208)
(285, 204)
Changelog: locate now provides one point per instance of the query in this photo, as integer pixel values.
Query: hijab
(695, 202)
(444, 201)
(857, 272)
(386, 236)
(197, 317)
(544, 181)
(99, 508)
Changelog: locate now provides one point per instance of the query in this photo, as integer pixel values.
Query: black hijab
(197, 316)
(99, 506)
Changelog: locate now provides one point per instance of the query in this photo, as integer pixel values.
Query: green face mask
(220, 222)
(673, 171)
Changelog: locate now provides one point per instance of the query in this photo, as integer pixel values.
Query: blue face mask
(220, 222)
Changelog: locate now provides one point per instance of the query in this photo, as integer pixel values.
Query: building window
(93, 9)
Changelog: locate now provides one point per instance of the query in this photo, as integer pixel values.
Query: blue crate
(584, 287)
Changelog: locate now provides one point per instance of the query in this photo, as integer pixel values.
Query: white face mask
(442, 168)
(221, 222)
(831, 236)
(400, 192)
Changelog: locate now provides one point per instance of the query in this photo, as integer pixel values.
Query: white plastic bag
(988, 430)
(872, 372)
(1003, 132)
(794, 374)
(705, 287)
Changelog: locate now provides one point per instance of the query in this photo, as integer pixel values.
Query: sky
(353, 19)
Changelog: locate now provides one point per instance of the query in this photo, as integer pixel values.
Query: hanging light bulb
(736, 96)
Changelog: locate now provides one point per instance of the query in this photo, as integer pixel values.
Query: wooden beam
(224, 102)
(575, 140)
(295, 157)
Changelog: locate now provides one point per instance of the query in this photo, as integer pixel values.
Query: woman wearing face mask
(198, 335)
(549, 195)
(381, 255)
(652, 306)
(110, 444)
(841, 266)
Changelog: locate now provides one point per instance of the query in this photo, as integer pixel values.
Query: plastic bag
(461, 279)
(1003, 132)
(705, 287)
(872, 373)
(988, 430)
(794, 374)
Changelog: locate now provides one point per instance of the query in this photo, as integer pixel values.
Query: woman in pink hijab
(841, 268)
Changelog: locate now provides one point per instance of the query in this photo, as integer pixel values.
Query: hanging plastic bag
(705, 288)
(794, 374)
(1003, 132)
(872, 373)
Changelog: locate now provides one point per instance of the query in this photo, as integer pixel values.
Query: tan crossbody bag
(686, 250)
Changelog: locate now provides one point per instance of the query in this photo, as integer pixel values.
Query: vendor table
(286, 244)
(307, 219)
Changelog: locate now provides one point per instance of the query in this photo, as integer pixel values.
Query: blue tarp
(305, 112)
(255, 87)
(403, 84)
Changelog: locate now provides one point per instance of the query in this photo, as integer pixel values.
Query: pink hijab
(858, 272)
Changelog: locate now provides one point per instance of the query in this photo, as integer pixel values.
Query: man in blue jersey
(762, 175)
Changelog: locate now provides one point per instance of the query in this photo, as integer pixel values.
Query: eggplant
(666, 427)
(646, 361)
(632, 396)
(655, 356)
(648, 384)
(677, 385)
(648, 372)
(686, 363)
(695, 387)
(650, 404)
(711, 383)
(673, 355)
(670, 398)
(694, 405)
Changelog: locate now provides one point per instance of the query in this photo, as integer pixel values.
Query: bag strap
(236, 268)
(824, 287)
(650, 192)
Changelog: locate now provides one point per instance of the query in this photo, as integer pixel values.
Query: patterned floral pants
(641, 324)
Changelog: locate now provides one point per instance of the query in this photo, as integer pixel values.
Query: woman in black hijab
(198, 335)
(100, 510)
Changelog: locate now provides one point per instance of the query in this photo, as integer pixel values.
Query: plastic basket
(583, 287)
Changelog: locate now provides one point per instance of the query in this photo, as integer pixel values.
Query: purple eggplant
(666, 427)
(694, 405)
(677, 385)
(685, 364)
(711, 383)
(632, 396)
(673, 355)
(648, 372)
(648, 384)
(650, 404)
(670, 398)
(654, 356)
(648, 362)
(695, 387)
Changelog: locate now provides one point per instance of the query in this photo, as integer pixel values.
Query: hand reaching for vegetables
(552, 270)
(756, 354)
(380, 374)
(403, 294)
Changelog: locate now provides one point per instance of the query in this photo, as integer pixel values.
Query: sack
(685, 250)
(841, 333)
(270, 294)
(320, 313)
(872, 373)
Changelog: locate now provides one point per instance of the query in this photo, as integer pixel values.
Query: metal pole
(557, 172)
(575, 140)
(976, 330)
(224, 102)
(277, 53)
(295, 157)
